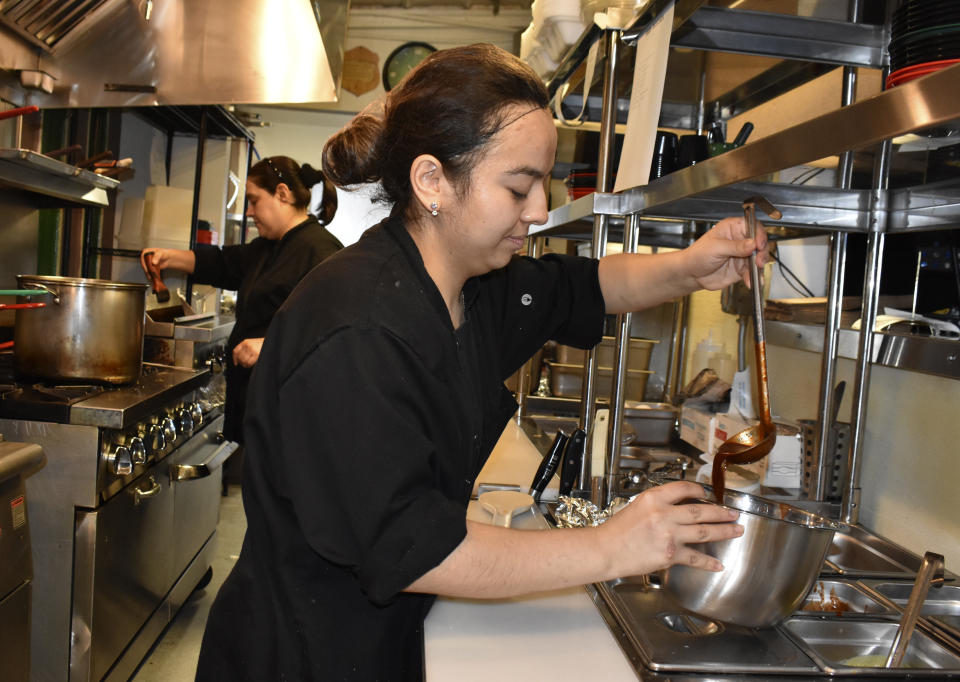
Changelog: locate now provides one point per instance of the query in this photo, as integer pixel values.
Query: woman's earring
(434, 206)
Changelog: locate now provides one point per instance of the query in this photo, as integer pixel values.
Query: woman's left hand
(719, 258)
(247, 352)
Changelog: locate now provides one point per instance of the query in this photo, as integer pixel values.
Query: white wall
(909, 475)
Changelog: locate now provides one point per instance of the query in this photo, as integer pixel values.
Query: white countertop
(558, 634)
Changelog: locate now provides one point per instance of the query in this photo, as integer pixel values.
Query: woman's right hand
(162, 259)
(654, 531)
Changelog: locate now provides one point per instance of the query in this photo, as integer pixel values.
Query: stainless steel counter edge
(930, 355)
(212, 330)
(103, 410)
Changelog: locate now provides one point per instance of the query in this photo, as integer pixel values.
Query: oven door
(196, 472)
(122, 569)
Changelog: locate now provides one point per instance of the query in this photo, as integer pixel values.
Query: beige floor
(174, 657)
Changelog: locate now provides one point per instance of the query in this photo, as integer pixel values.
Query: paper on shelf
(649, 72)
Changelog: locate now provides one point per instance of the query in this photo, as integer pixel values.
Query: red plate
(909, 73)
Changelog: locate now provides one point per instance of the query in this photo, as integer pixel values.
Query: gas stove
(116, 407)
(123, 515)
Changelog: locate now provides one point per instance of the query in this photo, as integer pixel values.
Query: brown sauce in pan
(819, 601)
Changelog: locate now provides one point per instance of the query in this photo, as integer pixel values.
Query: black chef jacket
(263, 273)
(368, 420)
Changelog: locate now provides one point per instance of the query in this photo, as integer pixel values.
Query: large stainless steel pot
(90, 329)
(767, 571)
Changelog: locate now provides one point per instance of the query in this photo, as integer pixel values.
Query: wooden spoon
(754, 442)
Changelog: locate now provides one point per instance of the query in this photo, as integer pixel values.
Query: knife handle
(570, 467)
(548, 465)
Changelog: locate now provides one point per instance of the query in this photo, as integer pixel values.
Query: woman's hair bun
(350, 156)
(310, 176)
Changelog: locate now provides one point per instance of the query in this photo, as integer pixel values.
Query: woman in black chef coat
(263, 272)
(372, 411)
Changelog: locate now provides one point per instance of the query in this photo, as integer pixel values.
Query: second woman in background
(264, 271)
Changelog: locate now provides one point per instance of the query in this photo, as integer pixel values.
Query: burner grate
(43, 402)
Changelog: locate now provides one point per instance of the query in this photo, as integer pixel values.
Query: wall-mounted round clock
(402, 60)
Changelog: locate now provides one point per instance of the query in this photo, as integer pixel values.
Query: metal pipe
(850, 507)
(631, 239)
(534, 250)
(588, 402)
(197, 181)
(675, 363)
(823, 460)
(243, 214)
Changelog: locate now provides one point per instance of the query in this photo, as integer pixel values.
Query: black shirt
(263, 273)
(369, 418)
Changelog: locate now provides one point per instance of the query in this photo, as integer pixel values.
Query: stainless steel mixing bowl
(768, 571)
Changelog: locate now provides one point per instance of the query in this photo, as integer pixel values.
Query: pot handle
(21, 292)
(21, 306)
(40, 290)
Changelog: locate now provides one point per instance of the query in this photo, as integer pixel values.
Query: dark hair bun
(350, 156)
(310, 176)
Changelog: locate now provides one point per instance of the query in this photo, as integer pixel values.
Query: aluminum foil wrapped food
(575, 512)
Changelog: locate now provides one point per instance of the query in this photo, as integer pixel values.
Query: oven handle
(187, 472)
(139, 494)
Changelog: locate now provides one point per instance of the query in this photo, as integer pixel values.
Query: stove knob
(169, 429)
(156, 441)
(138, 451)
(184, 421)
(121, 460)
(197, 414)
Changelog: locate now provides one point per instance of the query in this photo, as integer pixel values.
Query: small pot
(768, 571)
(90, 330)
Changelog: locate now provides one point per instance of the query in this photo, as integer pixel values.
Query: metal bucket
(768, 571)
(90, 330)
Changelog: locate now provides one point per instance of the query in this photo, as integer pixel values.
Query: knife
(570, 466)
(548, 465)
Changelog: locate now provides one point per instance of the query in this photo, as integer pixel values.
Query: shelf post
(631, 238)
(608, 126)
(197, 182)
(822, 470)
(525, 377)
(850, 507)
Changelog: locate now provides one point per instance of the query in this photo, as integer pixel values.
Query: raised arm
(633, 282)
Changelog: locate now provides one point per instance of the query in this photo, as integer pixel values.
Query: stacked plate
(924, 37)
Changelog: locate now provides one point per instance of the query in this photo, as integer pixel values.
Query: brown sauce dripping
(734, 452)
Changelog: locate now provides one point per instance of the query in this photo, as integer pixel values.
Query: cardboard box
(783, 467)
(697, 426)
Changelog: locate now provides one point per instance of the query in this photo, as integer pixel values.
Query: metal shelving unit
(57, 183)
(205, 122)
(669, 209)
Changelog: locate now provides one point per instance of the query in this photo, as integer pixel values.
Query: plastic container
(558, 33)
(706, 348)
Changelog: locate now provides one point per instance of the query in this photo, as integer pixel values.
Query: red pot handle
(21, 306)
(6, 345)
(12, 113)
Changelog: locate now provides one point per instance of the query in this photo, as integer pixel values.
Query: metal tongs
(757, 441)
(930, 574)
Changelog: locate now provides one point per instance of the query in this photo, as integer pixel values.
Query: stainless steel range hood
(95, 53)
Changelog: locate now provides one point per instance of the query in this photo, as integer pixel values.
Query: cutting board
(514, 461)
